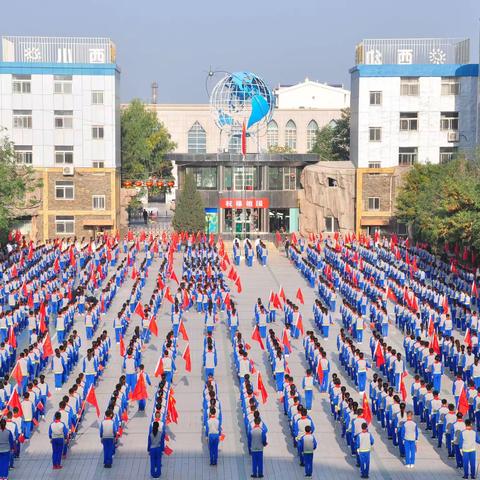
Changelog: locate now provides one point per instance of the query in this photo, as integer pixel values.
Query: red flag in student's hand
(122, 346)
(227, 301)
(152, 326)
(403, 388)
(173, 276)
(285, 340)
(139, 310)
(379, 358)
(56, 265)
(299, 324)
(47, 346)
(281, 294)
(15, 401)
(134, 273)
(160, 283)
(17, 373)
(167, 450)
(238, 283)
(171, 409)
(468, 338)
(125, 416)
(91, 398)
(256, 336)
(12, 339)
(431, 327)
(445, 304)
(183, 331)
(320, 371)
(367, 412)
(299, 296)
(140, 391)
(168, 295)
(30, 251)
(276, 302)
(434, 344)
(209, 270)
(186, 357)
(463, 405)
(474, 289)
(159, 368)
(262, 388)
(186, 299)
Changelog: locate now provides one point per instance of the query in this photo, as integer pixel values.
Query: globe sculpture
(241, 99)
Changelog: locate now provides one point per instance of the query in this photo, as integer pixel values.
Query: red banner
(244, 203)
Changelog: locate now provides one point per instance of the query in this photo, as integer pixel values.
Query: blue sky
(175, 42)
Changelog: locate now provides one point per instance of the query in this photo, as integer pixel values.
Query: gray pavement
(190, 452)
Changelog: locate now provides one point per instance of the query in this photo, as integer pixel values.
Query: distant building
(59, 104)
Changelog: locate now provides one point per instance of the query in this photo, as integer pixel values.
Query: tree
(189, 211)
(333, 140)
(145, 143)
(19, 186)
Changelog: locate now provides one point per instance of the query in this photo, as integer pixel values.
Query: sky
(175, 43)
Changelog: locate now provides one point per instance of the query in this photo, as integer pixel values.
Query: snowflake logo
(437, 56)
(32, 54)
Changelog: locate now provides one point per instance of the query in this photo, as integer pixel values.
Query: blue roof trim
(426, 70)
(19, 68)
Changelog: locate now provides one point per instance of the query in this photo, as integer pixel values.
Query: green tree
(189, 210)
(19, 187)
(333, 140)
(145, 143)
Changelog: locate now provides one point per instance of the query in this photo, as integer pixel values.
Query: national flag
(227, 301)
(294, 240)
(183, 331)
(167, 450)
(468, 338)
(122, 346)
(15, 401)
(160, 283)
(299, 296)
(71, 253)
(256, 336)
(140, 391)
(431, 327)
(159, 368)
(299, 324)
(379, 358)
(152, 326)
(134, 273)
(320, 371)
(434, 343)
(17, 373)
(30, 251)
(139, 310)
(47, 346)
(14, 271)
(262, 388)
(91, 398)
(186, 357)
(286, 341)
(463, 405)
(56, 265)
(474, 289)
(238, 283)
(281, 294)
(367, 412)
(173, 276)
(244, 139)
(12, 339)
(209, 270)
(186, 299)
(403, 388)
(168, 295)
(171, 409)
(391, 294)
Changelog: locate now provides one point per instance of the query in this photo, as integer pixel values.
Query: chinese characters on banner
(244, 203)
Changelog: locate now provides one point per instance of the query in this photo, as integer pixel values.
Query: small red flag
(159, 368)
(262, 388)
(139, 310)
(244, 139)
(300, 296)
(281, 294)
(468, 338)
(160, 283)
(434, 343)
(167, 450)
(183, 331)
(463, 405)
(15, 401)
(134, 273)
(431, 327)
(186, 357)
(238, 283)
(30, 251)
(56, 265)
(122, 346)
(168, 295)
(299, 324)
(12, 339)
(403, 388)
(285, 340)
(17, 373)
(47, 346)
(367, 412)
(256, 336)
(173, 276)
(474, 289)
(152, 326)
(379, 358)
(91, 398)
(320, 371)
(140, 391)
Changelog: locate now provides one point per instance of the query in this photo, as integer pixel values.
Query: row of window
(197, 137)
(246, 177)
(62, 119)
(409, 123)
(410, 87)
(63, 155)
(65, 190)
(62, 84)
(409, 156)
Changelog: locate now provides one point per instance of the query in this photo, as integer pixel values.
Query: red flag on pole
(139, 311)
(367, 412)
(30, 251)
(238, 283)
(285, 340)
(17, 373)
(244, 139)
(262, 388)
(15, 401)
(183, 331)
(91, 398)
(173, 276)
(474, 289)
(299, 296)
(12, 339)
(160, 283)
(434, 344)
(140, 391)
(379, 358)
(468, 338)
(152, 326)
(463, 405)
(168, 295)
(256, 336)
(159, 368)
(320, 371)
(299, 324)
(403, 388)
(122, 346)
(47, 346)
(186, 357)
(281, 294)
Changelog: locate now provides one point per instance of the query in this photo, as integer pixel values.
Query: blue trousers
(279, 376)
(469, 460)
(364, 459)
(308, 462)
(409, 452)
(308, 399)
(58, 380)
(257, 463)
(155, 462)
(57, 449)
(362, 379)
(108, 449)
(213, 440)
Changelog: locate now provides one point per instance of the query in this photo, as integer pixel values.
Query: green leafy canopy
(189, 210)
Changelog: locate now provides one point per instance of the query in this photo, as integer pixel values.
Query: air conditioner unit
(68, 171)
(453, 136)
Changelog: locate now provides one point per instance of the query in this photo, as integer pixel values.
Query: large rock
(329, 191)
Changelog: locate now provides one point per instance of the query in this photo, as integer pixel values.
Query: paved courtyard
(190, 451)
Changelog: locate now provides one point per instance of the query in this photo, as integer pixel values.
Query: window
(291, 135)
(373, 203)
(374, 165)
(283, 178)
(98, 202)
(332, 182)
(97, 132)
(21, 83)
(197, 139)
(64, 225)
(63, 155)
(235, 142)
(450, 86)
(408, 121)
(62, 84)
(312, 129)
(245, 177)
(97, 97)
(64, 190)
(205, 177)
(331, 224)
(23, 154)
(22, 119)
(407, 155)
(375, 134)
(409, 86)
(402, 228)
(63, 118)
(98, 164)
(375, 98)
(447, 153)
(272, 134)
(449, 121)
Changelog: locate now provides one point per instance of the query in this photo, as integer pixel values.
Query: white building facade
(59, 105)
(413, 101)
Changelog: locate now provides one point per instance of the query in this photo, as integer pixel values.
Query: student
(156, 444)
(57, 433)
(6, 446)
(213, 431)
(307, 444)
(409, 436)
(364, 446)
(468, 446)
(257, 441)
(108, 432)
